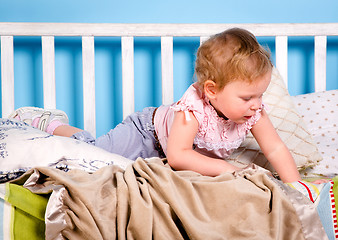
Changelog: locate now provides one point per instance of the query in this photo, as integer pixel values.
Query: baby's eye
(246, 98)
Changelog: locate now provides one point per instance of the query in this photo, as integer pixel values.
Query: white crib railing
(127, 32)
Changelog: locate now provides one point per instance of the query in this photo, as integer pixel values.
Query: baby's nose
(256, 105)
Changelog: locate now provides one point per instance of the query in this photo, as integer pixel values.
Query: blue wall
(175, 11)
(28, 69)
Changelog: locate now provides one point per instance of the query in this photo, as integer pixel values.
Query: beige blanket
(150, 201)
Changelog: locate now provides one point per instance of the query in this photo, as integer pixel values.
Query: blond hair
(231, 55)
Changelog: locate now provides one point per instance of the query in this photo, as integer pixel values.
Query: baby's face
(239, 100)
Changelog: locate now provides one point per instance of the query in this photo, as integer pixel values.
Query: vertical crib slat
(48, 64)
(7, 75)
(320, 63)
(167, 70)
(127, 48)
(282, 57)
(88, 61)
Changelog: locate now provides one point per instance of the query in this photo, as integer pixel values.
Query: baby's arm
(180, 154)
(275, 150)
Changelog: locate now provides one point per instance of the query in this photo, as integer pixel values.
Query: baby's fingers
(320, 181)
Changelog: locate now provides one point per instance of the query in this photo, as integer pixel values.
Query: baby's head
(231, 55)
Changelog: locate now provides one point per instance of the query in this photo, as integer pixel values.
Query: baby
(207, 124)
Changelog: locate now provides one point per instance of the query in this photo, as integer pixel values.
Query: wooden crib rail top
(162, 29)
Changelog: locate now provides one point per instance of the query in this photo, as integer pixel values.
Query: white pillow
(23, 147)
(320, 113)
(289, 125)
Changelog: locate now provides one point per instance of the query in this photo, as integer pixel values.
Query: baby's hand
(320, 181)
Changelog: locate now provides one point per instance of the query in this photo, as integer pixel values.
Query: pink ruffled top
(216, 136)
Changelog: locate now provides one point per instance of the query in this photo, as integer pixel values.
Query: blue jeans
(132, 138)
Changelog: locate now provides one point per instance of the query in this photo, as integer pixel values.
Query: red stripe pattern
(334, 212)
(308, 191)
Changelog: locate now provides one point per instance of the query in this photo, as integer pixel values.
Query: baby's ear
(210, 89)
